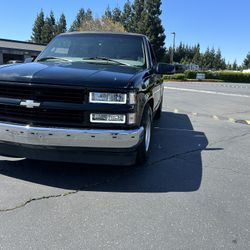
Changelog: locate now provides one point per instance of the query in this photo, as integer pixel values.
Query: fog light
(108, 118)
(132, 118)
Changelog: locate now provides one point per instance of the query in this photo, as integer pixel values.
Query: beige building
(18, 50)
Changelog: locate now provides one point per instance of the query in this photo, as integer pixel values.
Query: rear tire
(144, 148)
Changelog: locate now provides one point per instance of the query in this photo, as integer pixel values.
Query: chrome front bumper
(86, 138)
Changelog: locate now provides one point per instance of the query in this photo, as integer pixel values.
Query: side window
(152, 55)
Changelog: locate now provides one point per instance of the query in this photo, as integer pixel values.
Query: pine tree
(212, 59)
(246, 62)
(117, 15)
(126, 16)
(37, 28)
(229, 66)
(223, 64)
(218, 62)
(61, 26)
(154, 28)
(88, 16)
(138, 17)
(49, 28)
(197, 58)
(108, 13)
(82, 16)
(235, 65)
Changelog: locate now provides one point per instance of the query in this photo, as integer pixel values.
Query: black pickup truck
(88, 97)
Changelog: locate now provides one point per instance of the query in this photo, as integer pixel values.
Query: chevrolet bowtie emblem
(30, 104)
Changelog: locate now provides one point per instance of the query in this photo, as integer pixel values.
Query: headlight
(108, 118)
(111, 98)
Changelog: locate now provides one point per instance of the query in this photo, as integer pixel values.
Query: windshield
(97, 48)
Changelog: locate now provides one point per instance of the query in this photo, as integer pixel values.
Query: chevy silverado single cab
(89, 97)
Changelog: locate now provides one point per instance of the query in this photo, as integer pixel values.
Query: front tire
(144, 148)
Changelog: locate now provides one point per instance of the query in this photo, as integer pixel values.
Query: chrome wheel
(144, 147)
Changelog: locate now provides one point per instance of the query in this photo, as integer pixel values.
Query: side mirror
(164, 68)
(28, 60)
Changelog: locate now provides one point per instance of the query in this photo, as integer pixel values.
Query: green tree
(88, 15)
(229, 66)
(49, 28)
(61, 26)
(154, 28)
(184, 54)
(126, 18)
(108, 13)
(197, 56)
(81, 17)
(37, 28)
(235, 65)
(138, 17)
(246, 62)
(219, 62)
(101, 24)
(117, 15)
(208, 59)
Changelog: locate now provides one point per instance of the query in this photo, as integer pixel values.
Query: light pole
(173, 48)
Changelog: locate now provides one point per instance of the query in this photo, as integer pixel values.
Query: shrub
(237, 77)
(174, 77)
(225, 76)
(189, 74)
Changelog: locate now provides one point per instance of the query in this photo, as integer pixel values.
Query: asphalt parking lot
(192, 194)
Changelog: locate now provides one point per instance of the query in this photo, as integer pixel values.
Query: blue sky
(220, 23)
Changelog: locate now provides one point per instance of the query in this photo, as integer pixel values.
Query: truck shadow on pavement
(175, 165)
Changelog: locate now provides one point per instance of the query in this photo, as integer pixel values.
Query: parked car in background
(14, 61)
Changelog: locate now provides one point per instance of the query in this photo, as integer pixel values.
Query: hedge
(234, 77)
(175, 77)
(225, 76)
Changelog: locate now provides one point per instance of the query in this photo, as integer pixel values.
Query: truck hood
(64, 73)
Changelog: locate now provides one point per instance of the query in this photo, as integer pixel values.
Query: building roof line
(17, 41)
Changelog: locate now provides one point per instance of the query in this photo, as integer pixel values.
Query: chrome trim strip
(87, 138)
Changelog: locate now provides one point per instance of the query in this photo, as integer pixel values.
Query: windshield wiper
(106, 59)
(52, 58)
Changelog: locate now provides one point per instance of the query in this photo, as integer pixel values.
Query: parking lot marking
(215, 117)
(206, 92)
(247, 122)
